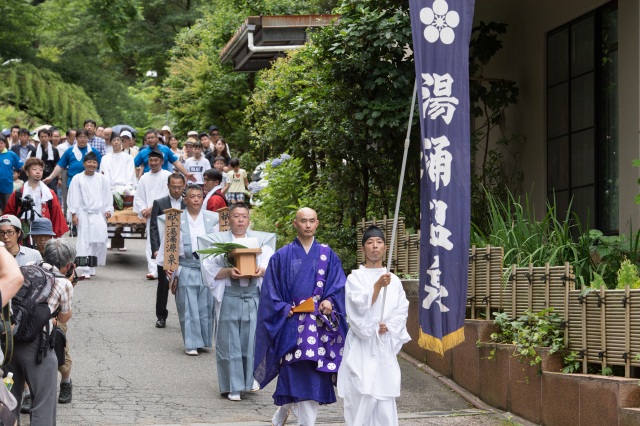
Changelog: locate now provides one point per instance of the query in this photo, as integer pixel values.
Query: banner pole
(399, 197)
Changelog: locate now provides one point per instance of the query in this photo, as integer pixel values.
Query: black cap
(90, 156)
(212, 128)
(155, 152)
(200, 135)
(371, 232)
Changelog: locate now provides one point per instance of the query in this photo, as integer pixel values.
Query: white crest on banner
(440, 22)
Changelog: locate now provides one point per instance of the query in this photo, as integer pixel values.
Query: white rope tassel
(399, 197)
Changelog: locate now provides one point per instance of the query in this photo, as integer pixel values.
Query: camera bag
(58, 341)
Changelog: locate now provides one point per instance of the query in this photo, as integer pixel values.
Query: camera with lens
(27, 203)
(90, 261)
(72, 275)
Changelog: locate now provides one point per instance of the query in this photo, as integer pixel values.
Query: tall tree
(17, 40)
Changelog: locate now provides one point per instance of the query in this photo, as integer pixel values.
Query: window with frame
(582, 118)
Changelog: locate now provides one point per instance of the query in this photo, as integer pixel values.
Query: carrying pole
(399, 197)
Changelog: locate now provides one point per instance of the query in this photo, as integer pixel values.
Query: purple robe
(290, 278)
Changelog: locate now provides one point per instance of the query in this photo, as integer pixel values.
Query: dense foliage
(43, 93)
(530, 332)
(106, 47)
(341, 105)
(199, 89)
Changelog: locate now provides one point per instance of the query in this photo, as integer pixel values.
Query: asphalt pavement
(127, 372)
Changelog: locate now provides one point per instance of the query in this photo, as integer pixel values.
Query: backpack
(31, 311)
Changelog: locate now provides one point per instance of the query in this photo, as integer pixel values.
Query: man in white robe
(236, 305)
(369, 376)
(152, 185)
(90, 204)
(118, 166)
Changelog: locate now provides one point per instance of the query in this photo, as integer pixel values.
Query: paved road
(126, 371)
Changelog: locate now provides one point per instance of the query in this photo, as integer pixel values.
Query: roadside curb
(465, 394)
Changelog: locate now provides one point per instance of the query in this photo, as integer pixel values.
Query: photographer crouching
(35, 199)
(41, 233)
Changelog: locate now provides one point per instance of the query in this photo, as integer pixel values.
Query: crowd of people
(285, 320)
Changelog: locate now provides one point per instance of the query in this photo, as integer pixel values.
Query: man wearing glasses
(176, 183)
(10, 234)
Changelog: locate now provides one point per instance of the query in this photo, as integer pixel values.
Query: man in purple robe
(303, 349)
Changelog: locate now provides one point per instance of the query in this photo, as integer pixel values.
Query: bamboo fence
(604, 328)
(491, 288)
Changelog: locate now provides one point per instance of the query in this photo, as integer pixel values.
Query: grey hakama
(235, 341)
(194, 304)
(194, 301)
(236, 314)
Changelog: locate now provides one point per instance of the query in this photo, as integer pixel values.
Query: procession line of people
(297, 318)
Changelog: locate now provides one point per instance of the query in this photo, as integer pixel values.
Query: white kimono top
(151, 187)
(119, 170)
(90, 198)
(369, 364)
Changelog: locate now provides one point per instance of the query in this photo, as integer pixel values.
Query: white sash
(77, 153)
(49, 152)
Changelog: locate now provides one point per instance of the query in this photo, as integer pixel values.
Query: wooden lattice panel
(484, 289)
(402, 254)
(538, 288)
(575, 327)
(604, 328)
(413, 253)
(634, 326)
(614, 327)
(593, 326)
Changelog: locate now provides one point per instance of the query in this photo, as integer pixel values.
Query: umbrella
(120, 127)
(37, 129)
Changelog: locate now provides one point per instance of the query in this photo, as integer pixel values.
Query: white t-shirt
(197, 168)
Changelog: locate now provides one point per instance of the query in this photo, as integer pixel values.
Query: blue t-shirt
(68, 161)
(143, 157)
(9, 161)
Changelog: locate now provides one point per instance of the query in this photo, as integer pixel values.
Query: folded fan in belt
(306, 306)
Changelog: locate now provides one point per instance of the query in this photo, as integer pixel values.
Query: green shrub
(289, 189)
(283, 196)
(530, 332)
(628, 275)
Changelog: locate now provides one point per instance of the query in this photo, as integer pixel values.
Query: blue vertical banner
(441, 33)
